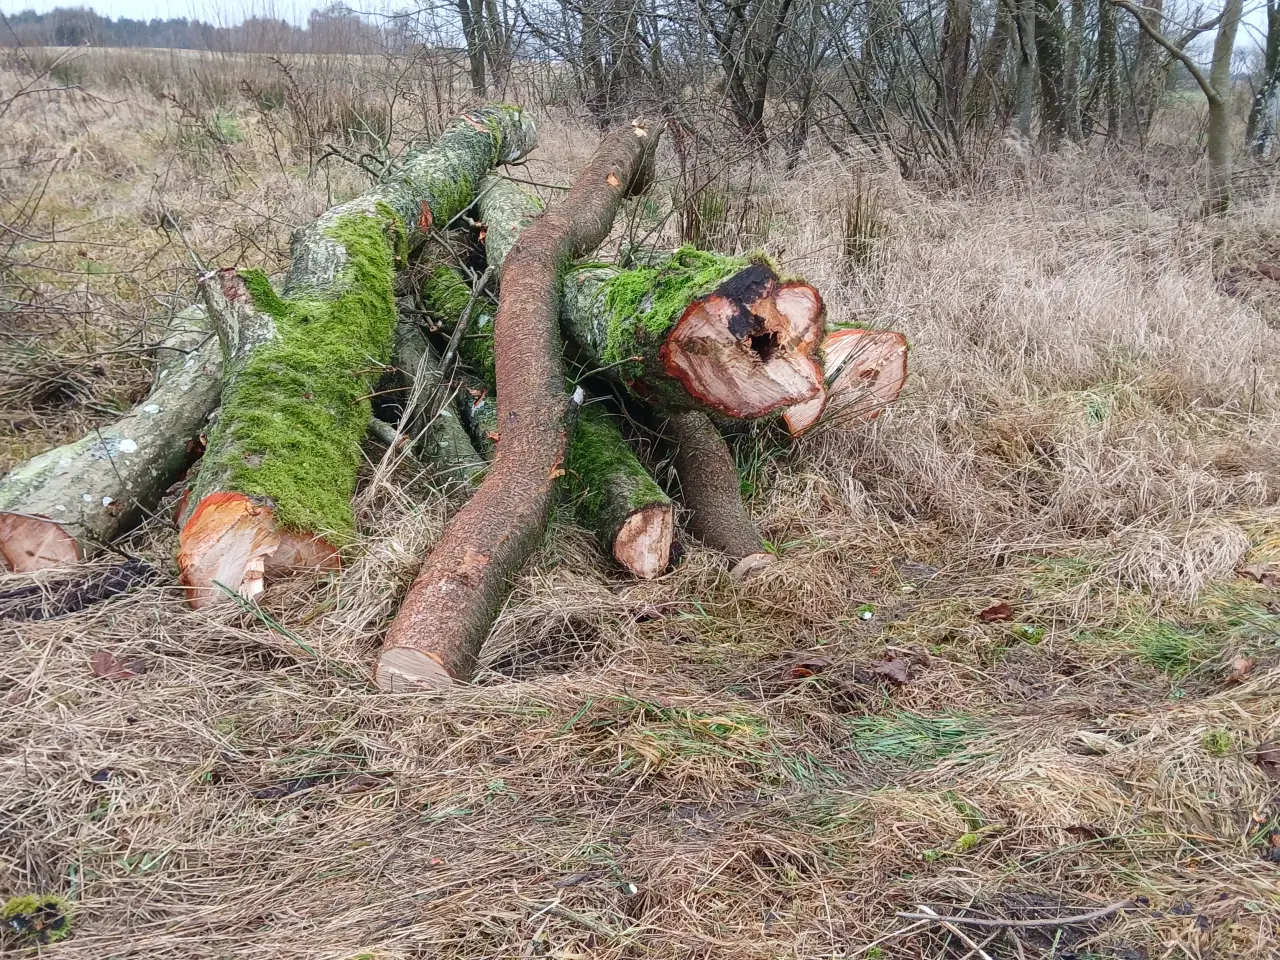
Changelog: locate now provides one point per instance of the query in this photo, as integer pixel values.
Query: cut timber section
(65, 504)
(616, 497)
(451, 606)
(700, 330)
(283, 454)
(865, 371)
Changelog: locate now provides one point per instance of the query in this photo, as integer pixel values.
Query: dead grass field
(690, 768)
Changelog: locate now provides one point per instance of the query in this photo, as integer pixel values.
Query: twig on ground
(927, 914)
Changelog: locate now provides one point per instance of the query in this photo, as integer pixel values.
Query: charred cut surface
(865, 371)
(451, 606)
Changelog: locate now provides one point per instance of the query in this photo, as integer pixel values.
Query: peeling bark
(275, 486)
(449, 609)
(65, 504)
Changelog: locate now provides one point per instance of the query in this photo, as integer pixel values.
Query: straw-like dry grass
(690, 768)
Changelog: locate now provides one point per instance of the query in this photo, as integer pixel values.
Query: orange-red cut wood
(446, 616)
(865, 371)
(29, 542)
(233, 541)
(747, 349)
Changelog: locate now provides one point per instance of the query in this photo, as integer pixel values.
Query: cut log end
(643, 545)
(401, 669)
(746, 348)
(865, 371)
(30, 543)
(233, 541)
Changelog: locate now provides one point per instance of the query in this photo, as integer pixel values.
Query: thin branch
(1171, 48)
(1024, 924)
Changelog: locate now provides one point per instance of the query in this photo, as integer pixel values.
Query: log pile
(517, 370)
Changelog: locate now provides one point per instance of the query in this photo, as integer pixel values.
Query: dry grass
(1089, 435)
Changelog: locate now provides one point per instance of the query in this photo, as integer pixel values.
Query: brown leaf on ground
(810, 667)
(893, 670)
(1262, 574)
(993, 614)
(108, 666)
(1241, 667)
(360, 783)
(1269, 270)
(1267, 756)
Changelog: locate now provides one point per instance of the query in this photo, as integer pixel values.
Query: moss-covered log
(275, 486)
(616, 498)
(700, 330)
(864, 372)
(711, 492)
(65, 504)
(451, 606)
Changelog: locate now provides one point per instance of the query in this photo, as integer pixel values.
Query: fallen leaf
(1269, 270)
(648, 612)
(1260, 574)
(613, 180)
(1241, 667)
(425, 217)
(1267, 756)
(108, 666)
(895, 671)
(360, 783)
(1001, 611)
(810, 667)
(1273, 608)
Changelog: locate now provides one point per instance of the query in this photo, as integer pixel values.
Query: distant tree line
(335, 29)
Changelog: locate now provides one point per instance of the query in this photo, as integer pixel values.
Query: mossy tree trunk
(1264, 113)
(700, 331)
(67, 503)
(275, 485)
(451, 606)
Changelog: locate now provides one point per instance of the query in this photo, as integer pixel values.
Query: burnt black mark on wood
(744, 287)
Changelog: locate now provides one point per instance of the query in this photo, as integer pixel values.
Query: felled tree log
(700, 331)
(711, 492)
(616, 497)
(65, 504)
(275, 486)
(864, 372)
(451, 606)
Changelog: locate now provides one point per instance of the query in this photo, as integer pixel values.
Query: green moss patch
(605, 479)
(36, 918)
(445, 295)
(298, 409)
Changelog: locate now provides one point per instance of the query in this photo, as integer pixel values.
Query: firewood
(448, 611)
(67, 503)
(275, 486)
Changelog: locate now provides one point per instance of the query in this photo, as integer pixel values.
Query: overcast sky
(222, 12)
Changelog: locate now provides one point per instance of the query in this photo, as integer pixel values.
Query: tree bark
(1148, 74)
(471, 13)
(985, 92)
(957, 26)
(864, 371)
(710, 490)
(1264, 113)
(1025, 89)
(1218, 134)
(275, 484)
(615, 497)
(67, 503)
(449, 609)
(700, 330)
(1051, 49)
(1108, 74)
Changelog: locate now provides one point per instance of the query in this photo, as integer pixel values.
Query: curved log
(275, 486)
(451, 606)
(64, 505)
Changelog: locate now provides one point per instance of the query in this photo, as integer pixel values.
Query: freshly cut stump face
(34, 543)
(233, 541)
(745, 349)
(403, 669)
(865, 371)
(643, 545)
